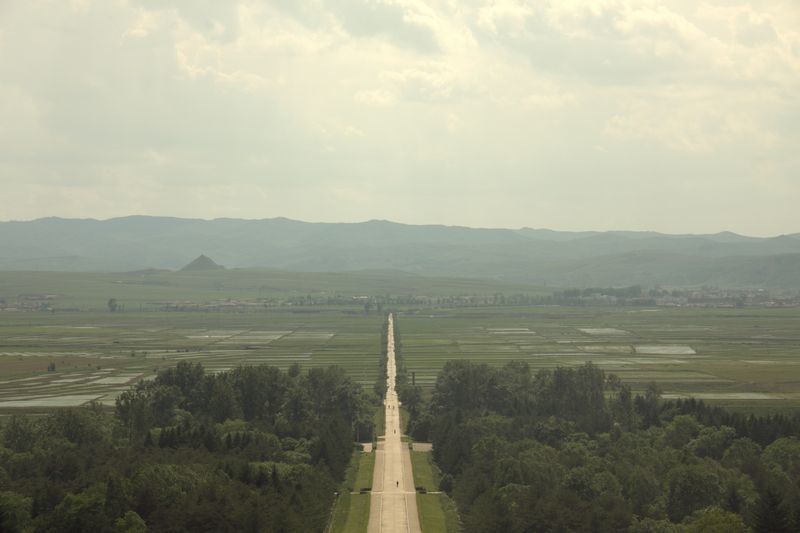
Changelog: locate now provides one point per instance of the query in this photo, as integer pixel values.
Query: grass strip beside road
(351, 514)
(451, 519)
(437, 512)
(380, 421)
(431, 517)
(425, 473)
(357, 514)
(366, 466)
(404, 416)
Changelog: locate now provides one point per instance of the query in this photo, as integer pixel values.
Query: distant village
(697, 297)
(627, 296)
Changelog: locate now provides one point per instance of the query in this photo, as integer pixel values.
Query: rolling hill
(527, 255)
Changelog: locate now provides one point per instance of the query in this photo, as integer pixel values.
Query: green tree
(223, 404)
(648, 406)
(15, 512)
(130, 523)
(690, 488)
(784, 453)
(744, 455)
(712, 441)
(680, 431)
(19, 433)
(651, 525)
(78, 513)
(135, 412)
(770, 515)
(85, 426)
(622, 407)
(715, 520)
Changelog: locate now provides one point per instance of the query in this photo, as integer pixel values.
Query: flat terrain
(221, 319)
(97, 355)
(744, 358)
(153, 290)
(393, 506)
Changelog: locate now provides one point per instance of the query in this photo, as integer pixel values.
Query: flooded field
(664, 349)
(747, 358)
(740, 358)
(64, 360)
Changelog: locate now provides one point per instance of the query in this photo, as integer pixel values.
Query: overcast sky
(679, 116)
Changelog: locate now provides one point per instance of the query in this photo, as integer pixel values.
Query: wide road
(393, 504)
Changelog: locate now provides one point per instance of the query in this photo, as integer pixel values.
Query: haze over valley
(534, 256)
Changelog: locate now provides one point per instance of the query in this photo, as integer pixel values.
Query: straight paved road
(393, 504)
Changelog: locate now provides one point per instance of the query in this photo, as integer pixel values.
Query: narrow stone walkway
(393, 504)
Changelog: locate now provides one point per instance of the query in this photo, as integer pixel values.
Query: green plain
(746, 359)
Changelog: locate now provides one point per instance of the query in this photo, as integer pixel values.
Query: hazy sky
(678, 116)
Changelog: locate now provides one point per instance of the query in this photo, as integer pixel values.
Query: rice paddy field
(220, 318)
(746, 359)
(98, 355)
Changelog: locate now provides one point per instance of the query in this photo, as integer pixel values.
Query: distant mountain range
(537, 256)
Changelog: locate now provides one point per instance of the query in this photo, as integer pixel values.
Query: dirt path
(393, 507)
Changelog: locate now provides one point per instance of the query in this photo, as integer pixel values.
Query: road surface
(393, 507)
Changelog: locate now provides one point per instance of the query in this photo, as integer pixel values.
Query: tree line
(251, 449)
(573, 449)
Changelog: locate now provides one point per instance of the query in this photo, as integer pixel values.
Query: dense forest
(573, 449)
(258, 449)
(251, 449)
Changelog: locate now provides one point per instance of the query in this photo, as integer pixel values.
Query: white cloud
(240, 108)
(376, 98)
(144, 24)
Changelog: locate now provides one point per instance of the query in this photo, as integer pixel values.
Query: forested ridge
(251, 449)
(572, 449)
(539, 257)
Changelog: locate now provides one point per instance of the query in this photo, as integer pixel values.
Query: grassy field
(743, 358)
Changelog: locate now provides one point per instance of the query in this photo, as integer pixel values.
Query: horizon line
(377, 220)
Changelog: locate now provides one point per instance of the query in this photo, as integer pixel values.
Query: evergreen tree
(770, 515)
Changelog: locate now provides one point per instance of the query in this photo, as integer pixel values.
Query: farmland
(60, 344)
(97, 355)
(743, 358)
(154, 290)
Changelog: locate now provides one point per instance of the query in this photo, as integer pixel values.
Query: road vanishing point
(393, 504)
